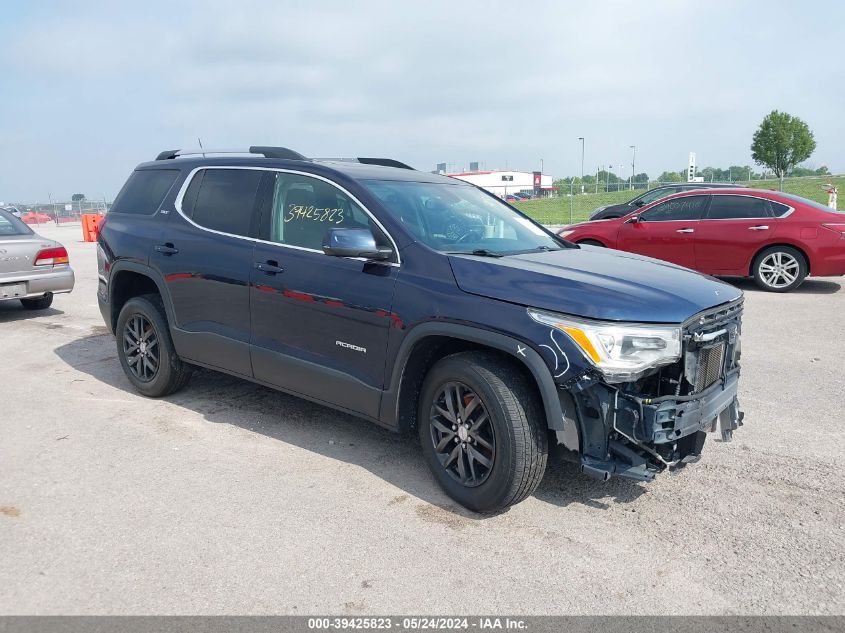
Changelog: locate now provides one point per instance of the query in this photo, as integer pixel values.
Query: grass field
(567, 210)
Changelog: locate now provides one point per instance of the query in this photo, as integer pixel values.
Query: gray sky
(90, 91)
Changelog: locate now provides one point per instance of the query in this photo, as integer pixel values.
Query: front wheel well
(125, 285)
(422, 358)
(592, 242)
(768, 246)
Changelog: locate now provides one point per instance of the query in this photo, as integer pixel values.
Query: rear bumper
(56, 280)
(829, 261)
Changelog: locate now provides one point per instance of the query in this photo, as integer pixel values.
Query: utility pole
(581, 138)
(633, 164)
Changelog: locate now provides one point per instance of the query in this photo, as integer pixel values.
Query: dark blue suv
(418, 302)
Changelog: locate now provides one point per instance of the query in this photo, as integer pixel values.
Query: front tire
(779, 269)
(146, 350)
(482, 430)
(592, 243)
(41, 303)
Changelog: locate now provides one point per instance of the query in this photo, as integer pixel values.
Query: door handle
(762, 227)
(166, 249)
(270, 267)
(685, 231)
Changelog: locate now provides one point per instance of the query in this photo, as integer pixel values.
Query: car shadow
(809, 287)
(12, 310)
(397, 459)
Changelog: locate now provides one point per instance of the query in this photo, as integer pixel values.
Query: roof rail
(384, 162)
(267, 152)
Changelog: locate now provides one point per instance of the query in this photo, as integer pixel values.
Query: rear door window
(684, 208)
(222, 199)
(737, 208)
(144, 192)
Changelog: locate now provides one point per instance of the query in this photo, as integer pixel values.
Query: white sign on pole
(68, 207)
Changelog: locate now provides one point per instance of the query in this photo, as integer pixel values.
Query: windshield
(10, 225)
(460, 218)
(655, 194)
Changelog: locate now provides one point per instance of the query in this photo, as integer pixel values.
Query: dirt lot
(231, 498)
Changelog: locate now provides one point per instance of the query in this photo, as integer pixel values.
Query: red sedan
(777, 238)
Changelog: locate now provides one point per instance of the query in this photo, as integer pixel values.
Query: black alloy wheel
(141, 348)
(462, 434)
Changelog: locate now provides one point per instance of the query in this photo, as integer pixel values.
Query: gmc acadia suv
(350, 283)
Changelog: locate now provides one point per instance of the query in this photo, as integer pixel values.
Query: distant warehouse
(505, 182)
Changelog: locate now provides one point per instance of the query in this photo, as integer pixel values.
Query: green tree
(781, 142)
(77, 197)
(670, 176)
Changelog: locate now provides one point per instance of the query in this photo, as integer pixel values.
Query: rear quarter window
(10, 225)
(778, 210)
(144, 192)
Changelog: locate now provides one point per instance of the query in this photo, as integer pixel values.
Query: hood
(595, 283)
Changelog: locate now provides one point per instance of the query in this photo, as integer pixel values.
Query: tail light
(839, 228)
(52, 256)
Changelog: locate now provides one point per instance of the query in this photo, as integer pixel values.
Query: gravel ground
(231, 498)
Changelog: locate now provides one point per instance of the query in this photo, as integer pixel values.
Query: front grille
(709, 368)
(709, 318)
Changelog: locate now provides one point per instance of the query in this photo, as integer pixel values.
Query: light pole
(581, 138)
(541, 166)
(633, 164)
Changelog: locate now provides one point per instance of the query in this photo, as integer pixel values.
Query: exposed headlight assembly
(623, 352)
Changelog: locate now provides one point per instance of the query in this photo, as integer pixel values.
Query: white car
(32, 268)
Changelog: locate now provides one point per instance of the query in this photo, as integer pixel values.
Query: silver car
(32, 268)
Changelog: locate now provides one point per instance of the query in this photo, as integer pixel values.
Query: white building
(504, 182)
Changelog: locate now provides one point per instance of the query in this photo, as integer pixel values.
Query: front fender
(520, 350)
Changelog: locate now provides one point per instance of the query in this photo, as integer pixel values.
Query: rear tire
(41, 303)
(146, 350)
(779, 269)
(500, 454)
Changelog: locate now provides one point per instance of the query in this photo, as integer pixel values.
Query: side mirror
(638, 203)
(633, 220)
(354, 243)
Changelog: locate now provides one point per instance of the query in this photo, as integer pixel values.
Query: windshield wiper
(481, 252)
(545, 248)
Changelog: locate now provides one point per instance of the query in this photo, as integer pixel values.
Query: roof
(492, 171)
(742, 191)
(349, 169)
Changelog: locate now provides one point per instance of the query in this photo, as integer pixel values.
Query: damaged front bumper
(647, 437)
(620, 430)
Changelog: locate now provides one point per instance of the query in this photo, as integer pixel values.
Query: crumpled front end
(660, 421)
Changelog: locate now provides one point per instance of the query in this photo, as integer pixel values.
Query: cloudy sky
(91, 89)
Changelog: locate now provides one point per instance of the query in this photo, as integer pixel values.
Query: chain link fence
(60, 212)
